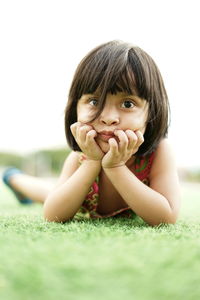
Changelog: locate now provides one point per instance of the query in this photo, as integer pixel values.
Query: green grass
(98, 259)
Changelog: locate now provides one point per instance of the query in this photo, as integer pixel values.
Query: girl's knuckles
(90, 134)
(130, 133)
(82, 129)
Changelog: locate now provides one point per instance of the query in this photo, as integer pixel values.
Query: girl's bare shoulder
(72, 161)
(164, 159)
(164, 176)
(70, 165)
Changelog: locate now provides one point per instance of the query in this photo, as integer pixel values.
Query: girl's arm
(159, 203)
(66, 198)
(75, 182)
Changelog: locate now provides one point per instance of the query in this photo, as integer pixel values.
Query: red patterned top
(141, 168)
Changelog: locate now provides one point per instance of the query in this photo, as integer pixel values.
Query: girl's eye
(93, 102)
(128, 104)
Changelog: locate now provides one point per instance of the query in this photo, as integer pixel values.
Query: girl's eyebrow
(132, 96)
(89, 95)
(86, 96)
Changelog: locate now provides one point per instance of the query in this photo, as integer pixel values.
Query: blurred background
(42, 41)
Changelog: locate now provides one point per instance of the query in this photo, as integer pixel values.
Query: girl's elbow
(50, 215)
(55, 211)
(164, 222)
(54, 218)
(172, 216)
(172, 220)
(47, 213)
(169, 219)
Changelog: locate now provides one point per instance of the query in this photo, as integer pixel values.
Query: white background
(42, 41)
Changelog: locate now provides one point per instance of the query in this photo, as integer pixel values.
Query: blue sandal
(6, 177)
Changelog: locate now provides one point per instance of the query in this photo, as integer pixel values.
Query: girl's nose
(109, 117)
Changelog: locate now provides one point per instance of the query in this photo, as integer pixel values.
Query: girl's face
(121, 111)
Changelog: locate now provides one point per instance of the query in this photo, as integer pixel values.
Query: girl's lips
(106, 135)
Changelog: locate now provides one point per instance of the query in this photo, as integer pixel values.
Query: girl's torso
(103, 200)
(107, 191)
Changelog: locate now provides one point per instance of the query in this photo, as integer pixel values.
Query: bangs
(113, 83)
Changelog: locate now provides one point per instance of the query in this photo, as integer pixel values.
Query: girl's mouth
(106, 135)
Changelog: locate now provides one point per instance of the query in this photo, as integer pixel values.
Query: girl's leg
(31, 187)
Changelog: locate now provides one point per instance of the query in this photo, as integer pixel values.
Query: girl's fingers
(132, 137)
(123, 139)
(81, 134)
(135, 140)
(85, 137)
(87, 127)
(140, 137)
(79, 130)
(74, 127)
(83, 131)
(90, 136)
(113, 145)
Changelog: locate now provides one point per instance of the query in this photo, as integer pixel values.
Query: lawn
(98, 259)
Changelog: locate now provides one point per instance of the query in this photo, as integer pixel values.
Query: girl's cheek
(82, 115)
(83, 118)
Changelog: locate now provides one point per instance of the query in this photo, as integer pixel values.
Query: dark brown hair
(120, 67)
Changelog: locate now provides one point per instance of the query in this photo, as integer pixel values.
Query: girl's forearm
(150, 205)
(63, 203)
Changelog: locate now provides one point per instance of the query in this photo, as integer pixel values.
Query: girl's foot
(6, 179)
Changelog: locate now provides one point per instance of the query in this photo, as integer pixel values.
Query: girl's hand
(85, 138)
(120, 152)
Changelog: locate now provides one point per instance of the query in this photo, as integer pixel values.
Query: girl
(116, 122)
